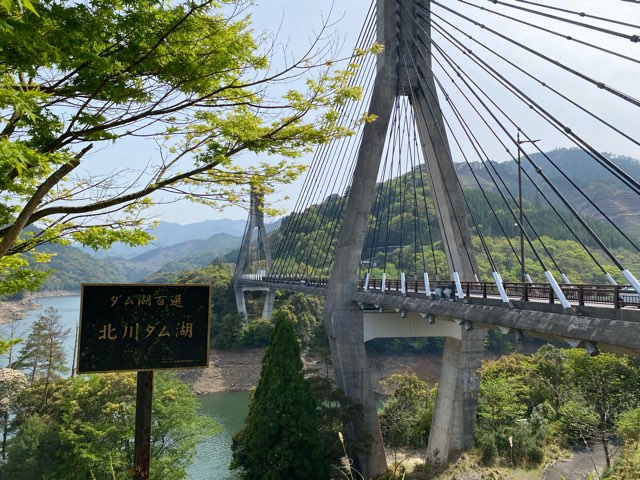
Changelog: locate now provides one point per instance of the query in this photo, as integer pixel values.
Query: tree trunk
(605, 446)
(47, 378)
(5, 422)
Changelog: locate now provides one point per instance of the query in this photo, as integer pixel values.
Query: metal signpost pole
(142, 449)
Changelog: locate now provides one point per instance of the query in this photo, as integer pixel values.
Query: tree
(280, 438)
(406, 416)
(188, 77)
(609, 385)
(12, 382)
(43, 354)
(306, 313)
(87, 430)
(511, 421)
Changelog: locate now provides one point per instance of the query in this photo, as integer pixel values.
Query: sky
(296, 24)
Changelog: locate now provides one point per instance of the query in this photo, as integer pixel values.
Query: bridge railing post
(550, 294)
(525, 292)
(581, 295)
(616, 296)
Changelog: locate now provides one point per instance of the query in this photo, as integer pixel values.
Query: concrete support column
(363, 435)
(267, 309)
(241, 306)
(456, 402)
(342, 318)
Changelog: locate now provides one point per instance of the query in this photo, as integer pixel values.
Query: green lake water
(228, 409)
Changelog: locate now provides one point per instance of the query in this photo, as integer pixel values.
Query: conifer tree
(280, 438)
(43, 354)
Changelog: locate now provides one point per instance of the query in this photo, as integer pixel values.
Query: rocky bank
(237, 370)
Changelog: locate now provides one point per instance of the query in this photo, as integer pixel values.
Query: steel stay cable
(378, 204)
(575, 235)
(383, 185)
(418, 234)
(542, 174)
(415, 66)
(538, 189)
(477, 227)
(461, 72)
(506, 188)
(632, 38)
(390, 182)
(597, 83)
(330, 167)
(580, 14)
(446, 188)
(411, 126)
(334, 150)
(480, 152)
(424, 198)
(552, 32)
(525, 72)
(465, 126)
(402, 193)
(542, 112)
(443, 232)
(443, 138)
(338, 206)
(365, 33)
(482, 190)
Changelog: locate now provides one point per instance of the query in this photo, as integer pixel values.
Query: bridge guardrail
(617, 296)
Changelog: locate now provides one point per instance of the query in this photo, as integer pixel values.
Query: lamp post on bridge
(520, 214)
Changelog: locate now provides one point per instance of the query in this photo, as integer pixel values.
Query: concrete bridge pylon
(255, 231)
(401, 71)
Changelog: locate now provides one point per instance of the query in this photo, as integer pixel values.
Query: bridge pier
(363, 436)
(455, 409)
(456, 402)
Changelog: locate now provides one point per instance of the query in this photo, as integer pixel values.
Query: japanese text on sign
(143, 327)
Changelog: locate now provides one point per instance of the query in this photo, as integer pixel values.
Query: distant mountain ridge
(170, 233)
(71, 266)
(598, 184)
(190, 254)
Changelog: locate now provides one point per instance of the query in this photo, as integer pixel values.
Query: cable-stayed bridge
(409, 227)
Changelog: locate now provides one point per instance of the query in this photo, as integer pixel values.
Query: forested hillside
(71, 266)
(410, 228)
(404, 234)
(597, 183)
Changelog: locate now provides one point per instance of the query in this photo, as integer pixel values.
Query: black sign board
(143, 327)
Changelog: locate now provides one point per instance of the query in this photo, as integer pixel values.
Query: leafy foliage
(281, 439)
(87, 430)
(188, 77)
(405, 419)
(557, 395)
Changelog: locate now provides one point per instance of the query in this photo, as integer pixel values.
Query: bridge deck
(598, 315)
(578, 295)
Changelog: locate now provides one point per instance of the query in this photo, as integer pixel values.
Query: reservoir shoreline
(239, 370)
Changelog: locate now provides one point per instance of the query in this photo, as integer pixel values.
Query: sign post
(142, 328)
(142, 449)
